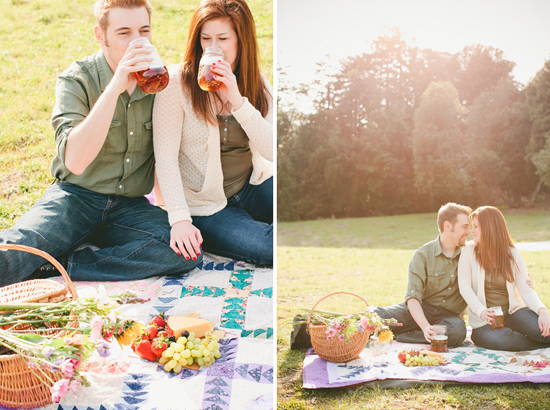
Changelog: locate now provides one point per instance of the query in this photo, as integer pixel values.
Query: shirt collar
(439, 249)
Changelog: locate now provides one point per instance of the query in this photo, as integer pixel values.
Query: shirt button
(131, 132)
(225, 129)
(129, 105)
(127, 159)
(120, 187)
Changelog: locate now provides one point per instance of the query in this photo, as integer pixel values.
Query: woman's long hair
(247, 68)
(493, 252)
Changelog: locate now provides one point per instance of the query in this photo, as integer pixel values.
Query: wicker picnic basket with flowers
(339, 338)
(20, 385)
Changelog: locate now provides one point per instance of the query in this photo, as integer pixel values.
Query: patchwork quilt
(465, 364)
(237, 297)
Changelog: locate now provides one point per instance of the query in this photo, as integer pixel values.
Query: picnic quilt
(470, 364)
(236, 296)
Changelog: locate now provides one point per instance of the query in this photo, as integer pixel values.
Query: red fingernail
(194, 258)
(219, 61)
(179, 253)
(187, 257)
(198, 254)
(213, 63)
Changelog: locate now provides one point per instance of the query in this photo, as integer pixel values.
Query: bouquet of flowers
(88, 323)
(343, 327)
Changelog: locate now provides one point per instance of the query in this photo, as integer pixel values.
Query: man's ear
(99, 35)
(447, 226)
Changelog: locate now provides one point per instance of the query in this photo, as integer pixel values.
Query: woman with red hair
(214, 150)
(492, 272)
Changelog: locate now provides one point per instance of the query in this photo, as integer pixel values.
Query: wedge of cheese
(179, 324)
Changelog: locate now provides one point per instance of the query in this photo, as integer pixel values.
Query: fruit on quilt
(158, 342)
(143, 349)
(414, 358)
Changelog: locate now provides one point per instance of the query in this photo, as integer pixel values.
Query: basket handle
(329, 295)
(49, 258)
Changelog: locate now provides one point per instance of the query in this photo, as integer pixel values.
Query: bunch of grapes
(420, 360)
(188, 350)
(414, 358)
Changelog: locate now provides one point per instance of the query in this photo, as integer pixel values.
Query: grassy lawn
(41, 38)
(378, 272)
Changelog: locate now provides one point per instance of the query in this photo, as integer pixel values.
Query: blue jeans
(411, 333)
(521, 332)
(243, 230)
(133, 237)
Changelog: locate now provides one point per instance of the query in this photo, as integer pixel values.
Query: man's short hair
(449, 212)
(102, 8)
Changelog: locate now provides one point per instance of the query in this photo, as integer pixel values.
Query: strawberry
(402, 357)
(135, 342)
(151, 331)
(158, 320)
(158, 346)
(143, 349)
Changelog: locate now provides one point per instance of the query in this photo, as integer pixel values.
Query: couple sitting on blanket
(104, 163)
(447, 274)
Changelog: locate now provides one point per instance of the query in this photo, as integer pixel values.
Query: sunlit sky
(307, 30)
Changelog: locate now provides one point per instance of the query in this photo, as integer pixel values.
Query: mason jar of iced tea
(206, 76)
(156, 77)
(498, 323)
(439, 341)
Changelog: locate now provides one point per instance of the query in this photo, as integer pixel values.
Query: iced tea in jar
(498, 323)
(156, 77)
(206, 76)
(439, 341)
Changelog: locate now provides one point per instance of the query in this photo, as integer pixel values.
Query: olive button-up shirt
(125, 164)
(433, 278)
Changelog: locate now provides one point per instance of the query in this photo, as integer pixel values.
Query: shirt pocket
(436, 281)
(146, 142)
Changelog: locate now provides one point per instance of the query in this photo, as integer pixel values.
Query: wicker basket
(19, 386)
(335, 350)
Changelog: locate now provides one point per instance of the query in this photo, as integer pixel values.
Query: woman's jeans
(132, 235)
(243, 230)
(520, 332)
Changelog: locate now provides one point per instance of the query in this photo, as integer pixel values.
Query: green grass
(41, 38)
(379, 274)
(399, 232)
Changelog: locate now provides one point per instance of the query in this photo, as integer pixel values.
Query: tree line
(402, 129)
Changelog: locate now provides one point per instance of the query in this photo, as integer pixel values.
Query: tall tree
(441, 162)
(480, 68)
(538, 99)
(498, 132)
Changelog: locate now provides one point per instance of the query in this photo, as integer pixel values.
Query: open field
(41, 38)
(379, 273)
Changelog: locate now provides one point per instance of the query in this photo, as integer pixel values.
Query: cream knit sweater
(187, 151)
(471, 282)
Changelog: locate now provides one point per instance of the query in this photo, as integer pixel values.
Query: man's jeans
(243, 230)
(411, 333)
(521, 332)
(133, 237)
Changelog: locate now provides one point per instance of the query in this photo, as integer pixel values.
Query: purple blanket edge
(316, 374)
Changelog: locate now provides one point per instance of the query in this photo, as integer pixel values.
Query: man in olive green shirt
(432, 296)
(104, 166)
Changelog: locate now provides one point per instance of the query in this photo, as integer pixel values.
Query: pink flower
(67, 368)
(74, 385)
(32, 365)
(75, 340)
(97, 326)
(59, 389)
